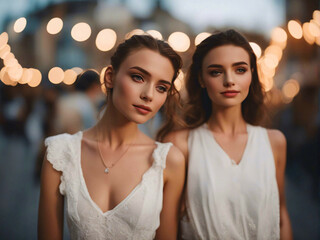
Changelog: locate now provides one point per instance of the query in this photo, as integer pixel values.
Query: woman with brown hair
(117, 182)
(235, 182)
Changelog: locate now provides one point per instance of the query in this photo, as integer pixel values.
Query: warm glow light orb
(279, 35)
(26, 76)
(307, 35)
(256, 49)
(156, 34)
(295, 29)
(55, 25)
(81, 31)
(70, 77)
(56, 75)
(291, 88)
(106, 39)
(179, 41)
(3, 39)
(4, 51)
(20, 25)
(36, 78)
(200, 37)
(134, 32)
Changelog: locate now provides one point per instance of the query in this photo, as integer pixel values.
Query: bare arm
(50, 215)
(279, 145)
(174, 175)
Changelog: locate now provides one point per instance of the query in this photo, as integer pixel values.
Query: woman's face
(226, 74)
(141, 85)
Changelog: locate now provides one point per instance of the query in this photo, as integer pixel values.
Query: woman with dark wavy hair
(117, 182)
(235, 182)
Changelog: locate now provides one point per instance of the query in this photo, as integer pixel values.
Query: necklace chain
(107, 169)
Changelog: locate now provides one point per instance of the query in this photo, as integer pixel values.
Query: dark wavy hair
(137, 42)
(198, 108)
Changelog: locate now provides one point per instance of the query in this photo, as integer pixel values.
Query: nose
(228, 80)
(147, 93)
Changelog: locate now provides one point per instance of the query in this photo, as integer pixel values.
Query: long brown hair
(199, 107)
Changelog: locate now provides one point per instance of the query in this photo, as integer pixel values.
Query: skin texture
(228, 68)
(142, 79)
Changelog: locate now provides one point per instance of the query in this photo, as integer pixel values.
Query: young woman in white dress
(235, 181)
(118, 183)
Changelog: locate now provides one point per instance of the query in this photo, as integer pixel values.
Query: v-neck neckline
(123, 201)
(223, 152)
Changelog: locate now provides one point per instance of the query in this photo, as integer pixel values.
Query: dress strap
(160, 154)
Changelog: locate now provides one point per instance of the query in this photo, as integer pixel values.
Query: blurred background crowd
(45, 46)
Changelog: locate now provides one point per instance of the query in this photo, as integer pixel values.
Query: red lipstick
(230, 93)
(143, 109)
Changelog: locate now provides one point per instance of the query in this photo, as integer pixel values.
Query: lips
(142, 109)
(230, 93)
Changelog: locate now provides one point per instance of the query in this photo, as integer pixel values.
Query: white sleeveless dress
(229, 201)
(136, 217)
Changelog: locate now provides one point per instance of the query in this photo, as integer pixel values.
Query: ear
(108, 77)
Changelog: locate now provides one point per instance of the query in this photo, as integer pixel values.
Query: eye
(215, 73)
(162, 89)
(241, 70)
(137, 78)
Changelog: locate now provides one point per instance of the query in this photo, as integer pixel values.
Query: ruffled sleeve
(57, 155)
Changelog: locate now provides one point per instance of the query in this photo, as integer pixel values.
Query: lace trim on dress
(160, 154)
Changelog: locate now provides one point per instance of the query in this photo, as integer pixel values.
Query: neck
(227, 120)
(114, 129)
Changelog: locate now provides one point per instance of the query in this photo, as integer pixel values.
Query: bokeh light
(256, 49)
(26, 76)
(55, 25)
(20, 25)
(295, 29)
(106, 39)
(274, 50)
(81, 31)
(308, 37)
(36, 78)
(70, 76)
(136, 31)
(56, 75)
(179, 82)
(316, 16)
(279, 35)
(15, 72)
(291, 88)
(200, 37)
(156, 34)
(4, 51)
(3, 39)
(78, 70)
(179, 41)
(314, 29)
(10, 60)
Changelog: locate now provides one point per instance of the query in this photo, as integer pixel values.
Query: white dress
(136, 217)
(226, 200)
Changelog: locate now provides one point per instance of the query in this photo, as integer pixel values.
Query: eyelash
(162, 89)
(139, 78)
(215, 73)
(135, 76)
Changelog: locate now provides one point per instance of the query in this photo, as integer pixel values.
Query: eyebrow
(149, 74)
(220, 66)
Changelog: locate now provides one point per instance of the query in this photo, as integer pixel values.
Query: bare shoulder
(277, 138)
(180, 139)
(175, 164)
(175, 158)
(176, 136)
(278, 144)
